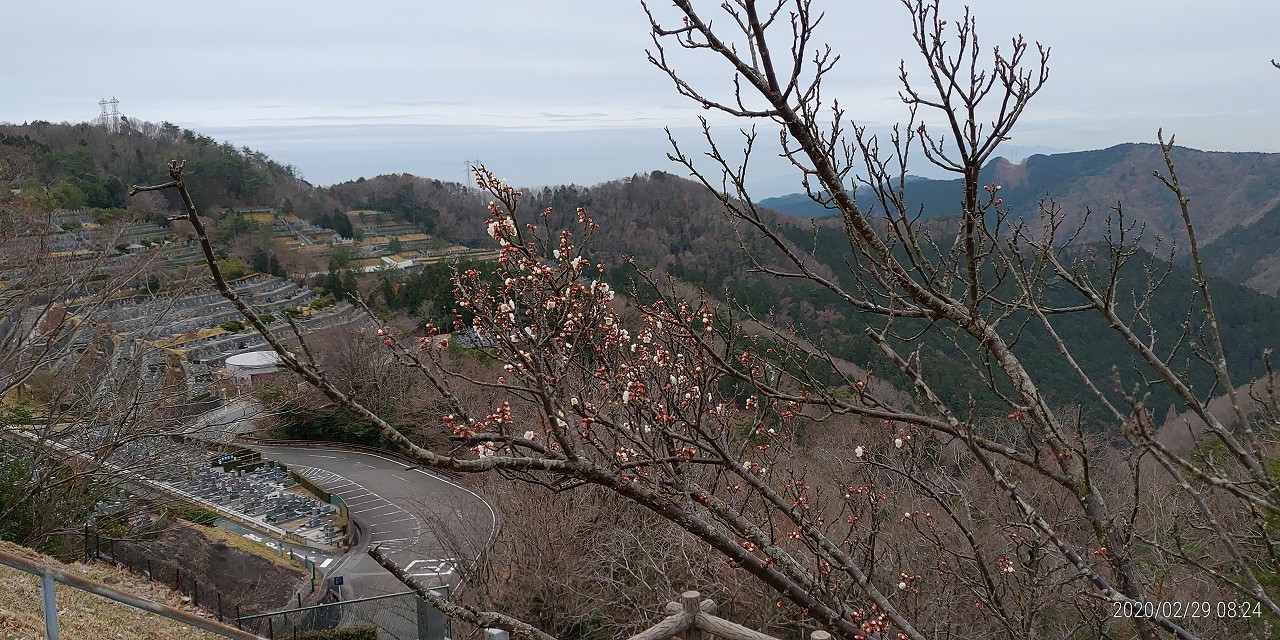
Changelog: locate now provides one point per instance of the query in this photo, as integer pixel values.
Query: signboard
(239, 459)
(337, 581)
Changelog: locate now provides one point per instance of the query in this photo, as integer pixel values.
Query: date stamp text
(1172, 609)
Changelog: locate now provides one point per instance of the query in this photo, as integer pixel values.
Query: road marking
(402, 546)
(326, 563)
(316, 455)
(399, 521)
(443, 567)
(384, 505)
(380, 521)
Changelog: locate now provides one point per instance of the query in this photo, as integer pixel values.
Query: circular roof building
(244, 367)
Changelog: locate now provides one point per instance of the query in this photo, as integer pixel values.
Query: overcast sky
(559, 91)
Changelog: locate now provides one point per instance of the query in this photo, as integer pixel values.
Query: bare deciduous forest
(893, 422)
(760, 465)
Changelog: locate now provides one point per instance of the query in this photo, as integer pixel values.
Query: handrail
(695, 618)
(326, 605)
(97, 588)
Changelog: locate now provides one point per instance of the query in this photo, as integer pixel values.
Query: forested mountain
(73, 166)
(442, 208)
(1235, 201)
(674, 226)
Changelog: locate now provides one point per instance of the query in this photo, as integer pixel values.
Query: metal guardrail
(49, 576)
(398, 616)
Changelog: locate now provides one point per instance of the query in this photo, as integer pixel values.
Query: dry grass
(82, 615)
(241, 543)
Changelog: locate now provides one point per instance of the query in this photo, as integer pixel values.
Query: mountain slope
(82, 614)
(73, 166)
(674, 226)
(1235, 201)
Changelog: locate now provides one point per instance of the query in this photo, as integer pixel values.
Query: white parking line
(442, 567)
(364, 504)
(409, 519)
(391, 519)
(394, 508)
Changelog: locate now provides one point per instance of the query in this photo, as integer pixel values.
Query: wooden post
(689, 602)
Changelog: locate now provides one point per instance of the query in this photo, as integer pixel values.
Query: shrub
(367, 632)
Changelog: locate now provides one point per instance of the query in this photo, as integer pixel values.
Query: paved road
(431, 526)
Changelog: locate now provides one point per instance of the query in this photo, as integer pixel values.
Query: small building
(246, 368)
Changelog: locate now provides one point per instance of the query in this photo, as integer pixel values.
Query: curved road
(431, 526)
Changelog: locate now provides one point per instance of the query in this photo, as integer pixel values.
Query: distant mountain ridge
(1235, 201)
(674, 226)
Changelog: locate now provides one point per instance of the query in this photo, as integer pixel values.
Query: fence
(140, 560)
(49, 576)
(400, 616)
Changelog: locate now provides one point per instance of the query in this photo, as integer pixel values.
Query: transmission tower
(115, 115)
(468, 176)
(109, 119)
